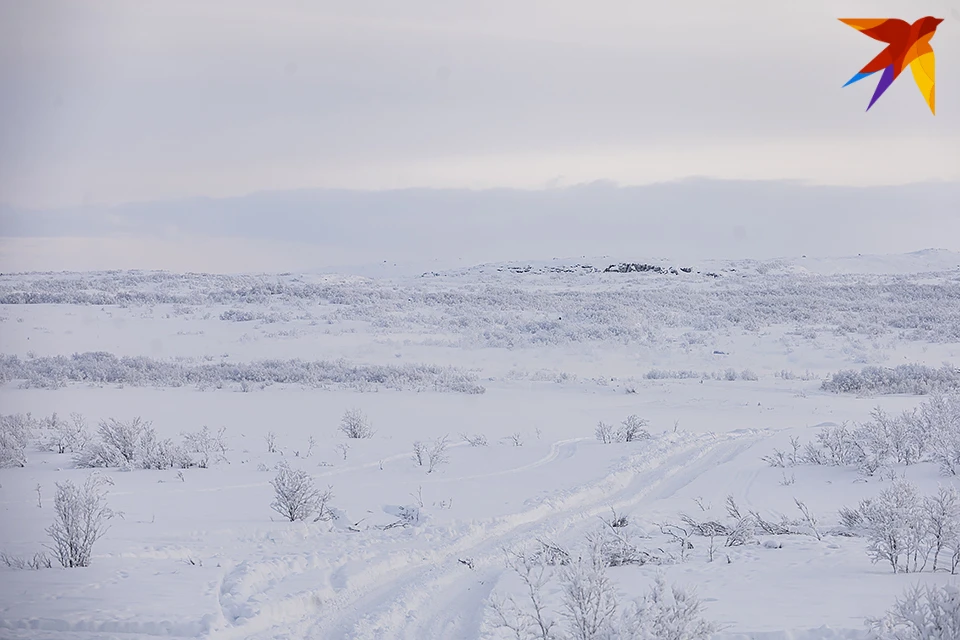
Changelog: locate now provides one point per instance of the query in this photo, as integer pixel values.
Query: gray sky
(106, 102)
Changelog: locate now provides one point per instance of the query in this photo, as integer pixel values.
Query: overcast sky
(108, 102)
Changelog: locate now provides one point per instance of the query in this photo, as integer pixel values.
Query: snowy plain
(724, 359)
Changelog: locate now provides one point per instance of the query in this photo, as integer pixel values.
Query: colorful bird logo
(907, 44)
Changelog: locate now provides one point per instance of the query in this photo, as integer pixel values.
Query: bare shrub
(605, 432)
(296, 497)
(38, 561)
(81, 519)
(533, 619)
(516, 439)
(15, 433)
(354, 424)
(476, 440)
(809, 518)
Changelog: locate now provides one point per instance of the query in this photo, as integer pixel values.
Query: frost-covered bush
(633, 428)
(354, 424)
(132, 445)
(106, 368)
(64, 436)
(81, 519)
(296, 496)
(589, 597)
(667, 612)
(207, 447)
(15, 433)
(896, 527)
(914, 379)
(498, 312)
(931, 433)
(938, 420)
(930, 612)
(590, 607)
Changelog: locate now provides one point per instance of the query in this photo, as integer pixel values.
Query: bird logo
(907, 44)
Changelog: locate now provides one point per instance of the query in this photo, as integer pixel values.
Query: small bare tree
(534, 621)
(605, 432)
(419, 452)
(271, 440)
(355, 424)
(296, 497)
(81, 519)
(942, 513)
(437, 455)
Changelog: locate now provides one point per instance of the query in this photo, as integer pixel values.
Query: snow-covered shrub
(896, 527)
(116, 445)
(837, 446)
(938, 419)
(208, 448)
(15, 433)
(666, 613)
(156, 453)
(63, 436)
(588, 597)
(296, 497)
(354, 424)
(942, 515)
(914, 379)
(633, 428)
(106, 368)
(132, 444)
(923, 613)
(81, 519)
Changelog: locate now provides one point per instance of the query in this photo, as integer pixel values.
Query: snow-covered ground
(724, 360)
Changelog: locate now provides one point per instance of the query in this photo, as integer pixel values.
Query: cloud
(113, 101)
(314, 229)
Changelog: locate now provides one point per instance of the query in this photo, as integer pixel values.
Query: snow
(199, 553)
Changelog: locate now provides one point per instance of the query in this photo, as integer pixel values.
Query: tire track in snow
(380, 601)
(447, 601)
